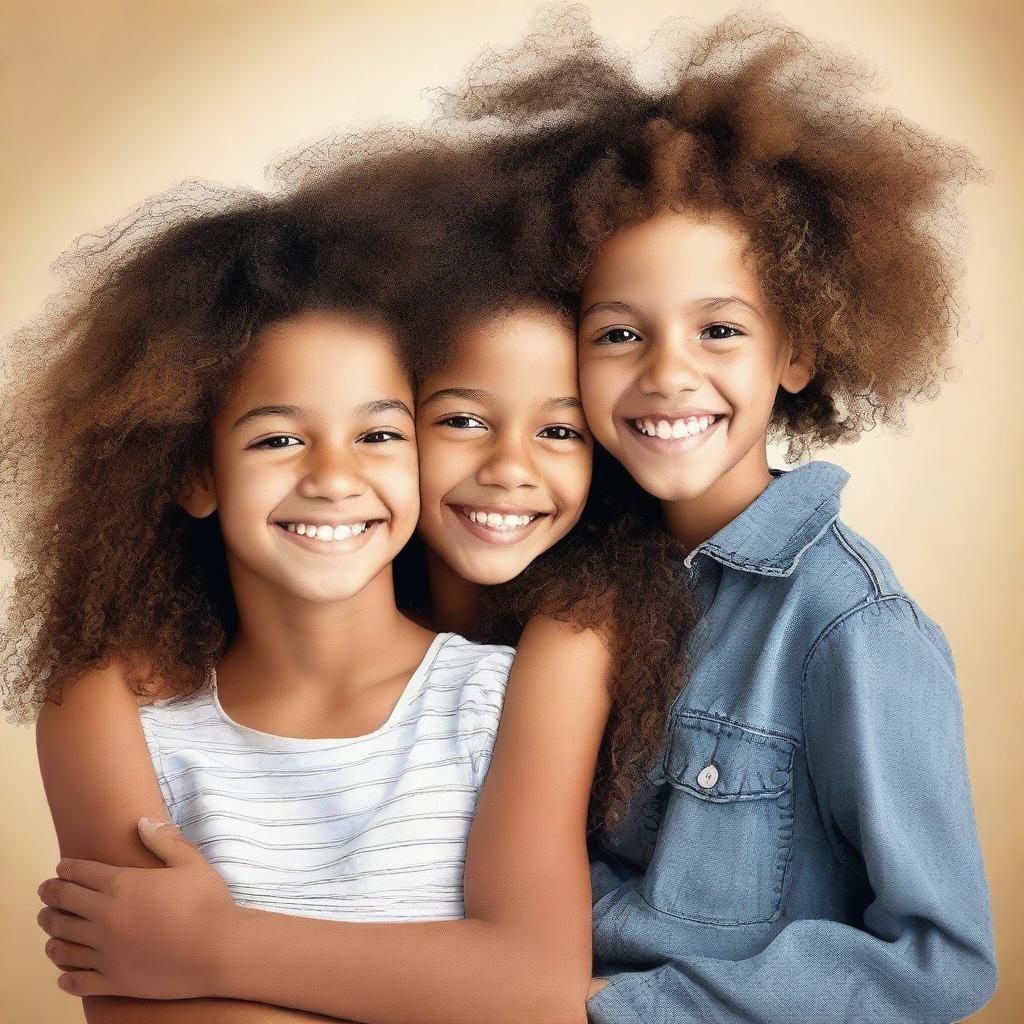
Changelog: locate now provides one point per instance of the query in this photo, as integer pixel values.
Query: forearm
(812, 971)
(439, 972)
(115, 1010)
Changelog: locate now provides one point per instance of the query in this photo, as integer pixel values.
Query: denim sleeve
(885, 750)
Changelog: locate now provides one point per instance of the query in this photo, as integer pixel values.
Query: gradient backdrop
(103, 102)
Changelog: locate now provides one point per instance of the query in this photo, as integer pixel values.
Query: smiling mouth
(497, 527)
(325, 536)
(673, 429)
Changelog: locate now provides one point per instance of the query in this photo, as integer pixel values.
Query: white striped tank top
(367, 828)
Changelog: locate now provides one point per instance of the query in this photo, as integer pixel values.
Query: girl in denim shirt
(769, 258)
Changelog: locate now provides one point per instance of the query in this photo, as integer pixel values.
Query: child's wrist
(227, 959)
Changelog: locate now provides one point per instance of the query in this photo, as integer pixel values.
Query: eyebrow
(607, 307)
(466, 394)
(266, 410)
(709, 305)
(366, 409)
(384, 405)
(479, 395)
(568, 402)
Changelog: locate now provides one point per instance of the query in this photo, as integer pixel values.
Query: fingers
(164, 839)
(67, 926)
(71, 954)
(85, 983)
(89, 873)
(70, 897)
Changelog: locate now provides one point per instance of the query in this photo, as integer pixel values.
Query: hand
(151, 933)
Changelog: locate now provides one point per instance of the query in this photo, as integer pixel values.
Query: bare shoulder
(582, 657)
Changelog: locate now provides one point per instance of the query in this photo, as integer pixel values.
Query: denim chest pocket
(724, 844)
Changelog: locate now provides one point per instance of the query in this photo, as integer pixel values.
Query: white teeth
(326, 532)
(666, 429)
(496, 520)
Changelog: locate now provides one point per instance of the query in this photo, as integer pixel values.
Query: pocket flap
(718, 760)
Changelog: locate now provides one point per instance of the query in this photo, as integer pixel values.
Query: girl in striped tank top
(323, 751)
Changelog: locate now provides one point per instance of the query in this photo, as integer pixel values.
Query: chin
(674, 488)
(492, 576)
(328, 592)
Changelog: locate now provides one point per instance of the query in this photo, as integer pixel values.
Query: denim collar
(770, 535)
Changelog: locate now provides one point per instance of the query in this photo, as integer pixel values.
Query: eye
(719, 332)
(618, 336)
(277, 441)
(461, 422)
(382, 435)
(561, 432)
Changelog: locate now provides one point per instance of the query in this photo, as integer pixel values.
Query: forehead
(674, 254)
(518, 354)
(322, 360)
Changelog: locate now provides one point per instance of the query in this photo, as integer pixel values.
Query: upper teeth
(674, 428)
(326, 532)
(497, 520)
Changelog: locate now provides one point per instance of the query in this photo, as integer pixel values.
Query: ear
(798, 373)
(198, 497)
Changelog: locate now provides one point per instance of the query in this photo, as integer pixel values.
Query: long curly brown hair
(850, 208)
(106, 418)
(111, 396)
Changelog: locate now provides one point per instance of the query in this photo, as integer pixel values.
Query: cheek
(446, 467)
(750, 383)
(245, 488)
(600, 387)
(573, 484)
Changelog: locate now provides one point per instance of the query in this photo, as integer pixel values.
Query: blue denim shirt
(806, 849)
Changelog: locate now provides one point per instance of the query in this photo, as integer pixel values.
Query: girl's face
(314, 471)
(505, 454)
(680, 356)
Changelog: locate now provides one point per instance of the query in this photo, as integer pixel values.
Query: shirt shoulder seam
(835, 623)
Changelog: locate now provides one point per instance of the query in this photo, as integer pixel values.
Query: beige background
(104, 102)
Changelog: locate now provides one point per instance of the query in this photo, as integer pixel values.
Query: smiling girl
(767, 256)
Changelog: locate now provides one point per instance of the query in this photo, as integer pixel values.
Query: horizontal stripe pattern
(367, 828)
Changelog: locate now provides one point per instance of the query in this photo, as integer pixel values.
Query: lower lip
(490, 534)
(331, 547)
(673, 445)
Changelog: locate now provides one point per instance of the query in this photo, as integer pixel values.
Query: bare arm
(523, 953)
(99, 780)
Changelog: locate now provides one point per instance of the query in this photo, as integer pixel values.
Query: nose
(670, 368)
(332, 474)
(508, 465)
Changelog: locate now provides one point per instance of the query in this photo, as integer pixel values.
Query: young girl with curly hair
(759, 253)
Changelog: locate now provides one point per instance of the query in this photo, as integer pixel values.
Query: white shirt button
(708, 777)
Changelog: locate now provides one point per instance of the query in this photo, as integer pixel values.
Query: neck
(454, 601)
(289, 643)
(694, 520)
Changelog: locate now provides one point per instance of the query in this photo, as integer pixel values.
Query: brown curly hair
(113, 393)
(106, 418)
(849, 208)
